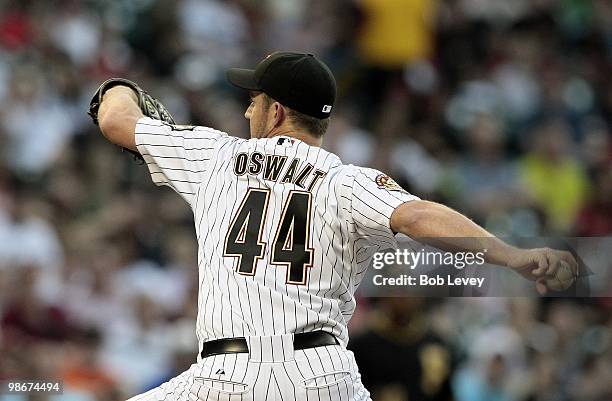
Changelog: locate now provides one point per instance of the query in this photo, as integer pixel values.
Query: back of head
(314, 126)
(302, 83)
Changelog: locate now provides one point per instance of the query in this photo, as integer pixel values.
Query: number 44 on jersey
(290, 244)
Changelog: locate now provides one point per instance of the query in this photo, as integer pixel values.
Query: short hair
(267, 100)
(312, 125)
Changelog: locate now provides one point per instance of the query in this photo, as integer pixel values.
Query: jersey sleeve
(372, 197)
(176, 156)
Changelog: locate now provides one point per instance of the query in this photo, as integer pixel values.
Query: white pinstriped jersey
(285, 230)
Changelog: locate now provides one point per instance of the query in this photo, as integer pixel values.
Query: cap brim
(242, 78)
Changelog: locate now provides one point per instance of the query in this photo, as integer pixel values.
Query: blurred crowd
(500, 109)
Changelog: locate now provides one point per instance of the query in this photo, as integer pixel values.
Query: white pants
(272, 370)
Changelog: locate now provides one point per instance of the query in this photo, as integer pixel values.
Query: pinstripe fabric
(348, 220)
(321, 374)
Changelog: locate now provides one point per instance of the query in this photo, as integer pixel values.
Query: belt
(238, 345)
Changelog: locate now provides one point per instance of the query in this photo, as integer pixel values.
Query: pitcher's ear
(280, 114)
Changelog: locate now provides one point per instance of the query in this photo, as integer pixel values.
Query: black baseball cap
(297, 80)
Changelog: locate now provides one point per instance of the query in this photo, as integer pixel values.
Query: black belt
(238, 345)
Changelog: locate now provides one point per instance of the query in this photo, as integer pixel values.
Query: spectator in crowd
(485, 176)
(553, 176)
(595, 218)
(399, 331)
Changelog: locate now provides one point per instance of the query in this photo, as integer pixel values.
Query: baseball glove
(149, 106)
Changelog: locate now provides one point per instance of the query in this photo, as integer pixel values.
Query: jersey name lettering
(277, 168)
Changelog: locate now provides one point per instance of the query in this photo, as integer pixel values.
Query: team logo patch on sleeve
(385, 182)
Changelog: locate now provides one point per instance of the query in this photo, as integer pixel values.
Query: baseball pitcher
(285, 233)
